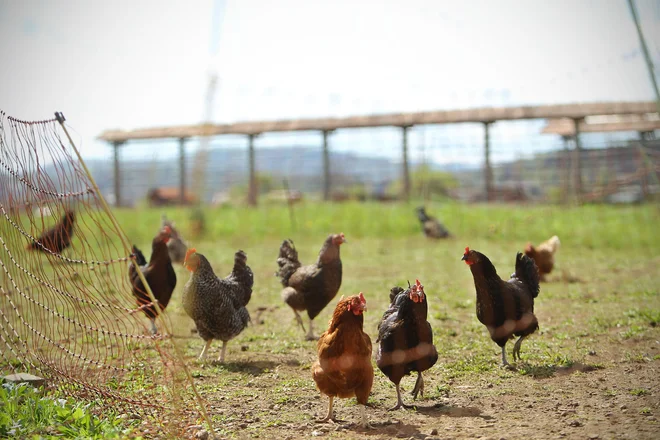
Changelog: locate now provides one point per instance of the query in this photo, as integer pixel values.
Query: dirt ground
(591, 371)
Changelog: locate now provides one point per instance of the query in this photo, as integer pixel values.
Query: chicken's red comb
(418, 284)
(189, 252)
(167, 229)
(467, 250)
(362, 299)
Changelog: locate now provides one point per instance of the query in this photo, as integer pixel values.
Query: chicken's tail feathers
(528, 273)
(287, 261)
(140, 260)
(554, 243)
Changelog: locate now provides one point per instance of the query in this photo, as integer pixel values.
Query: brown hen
(344, 367)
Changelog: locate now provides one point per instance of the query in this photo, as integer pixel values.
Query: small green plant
(645, 411)
(26, 412)
(639, 392)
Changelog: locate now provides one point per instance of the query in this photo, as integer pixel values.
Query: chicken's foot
(221, 358)
(205, 350)
(310, 334)
(299, 320)
(516, 348)
(399, 400)
(419, 386)
(505, 363)
(329, 418)
(154, 330)
(364, 423)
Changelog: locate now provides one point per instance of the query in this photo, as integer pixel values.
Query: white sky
(140, 63)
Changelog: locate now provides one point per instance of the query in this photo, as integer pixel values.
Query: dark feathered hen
(159, 273)
(405, 339)
(506, 308)
(310, 287)
(57, 238)
(217, 305)
(430, 225)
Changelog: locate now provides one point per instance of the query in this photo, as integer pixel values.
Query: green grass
(602, 297)
(25, 413)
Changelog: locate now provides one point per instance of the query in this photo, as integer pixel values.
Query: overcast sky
(139, 63)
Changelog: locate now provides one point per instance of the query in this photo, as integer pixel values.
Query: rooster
(217, 305)
(176, 246)
(344, 367)
(544, 255)
(406, 339)
(159, 274)
(431, 226)
(506, 308)
(310, 287)
(57, 238)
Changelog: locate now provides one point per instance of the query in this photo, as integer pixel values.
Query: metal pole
(488, 172)
(406, 171)
(645, 50)
(566, 162)
(326, 167)
(252, 189)
(117, 174)
(182, 171)
(578, 160)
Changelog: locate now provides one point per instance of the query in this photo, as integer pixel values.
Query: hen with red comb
(405, 339)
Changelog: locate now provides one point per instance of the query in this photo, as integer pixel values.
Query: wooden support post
(642, 164)
(182, 171)
(252, 189)
(488, 171)
(565, 171)
(326, 167)
(117, 174)
(577, 168)
(406, 171)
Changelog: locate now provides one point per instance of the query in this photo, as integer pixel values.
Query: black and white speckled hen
(506, 308)
(405, 339)
(217, 305)
(310, 287)
(158, 272)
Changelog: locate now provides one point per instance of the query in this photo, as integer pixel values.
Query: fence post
(252, 188)
(405, 171)
(326, 167)
(642, 164)
(578, 160)
(182, 171)
(566, 165)
(488, 171)
(117, 174)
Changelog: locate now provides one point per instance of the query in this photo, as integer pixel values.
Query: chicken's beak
(465, 257)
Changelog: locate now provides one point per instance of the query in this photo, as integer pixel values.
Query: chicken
(310, 287)
(544, 255)
(344, 366)
(406, 339)
(217, 305)
(159, 273)
(431, 226)
(176, 246)
(506, 308)
(57, 238)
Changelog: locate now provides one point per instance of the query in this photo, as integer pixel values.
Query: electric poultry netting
(66, 309)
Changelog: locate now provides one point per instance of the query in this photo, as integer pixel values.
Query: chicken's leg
(310, 334)
(364, 423)
(329, 417)
(202, 355)
(399, 400)
(419, 386)
(299, 319)
(516, 348)
(505, 363)
(154, 330)
(221, 358)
